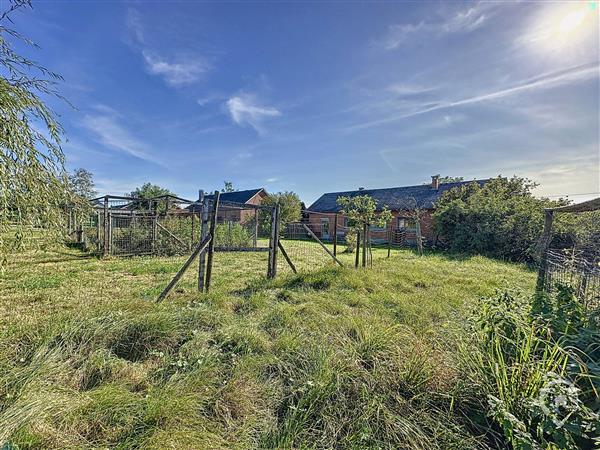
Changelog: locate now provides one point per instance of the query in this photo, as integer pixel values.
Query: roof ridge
(410, 186)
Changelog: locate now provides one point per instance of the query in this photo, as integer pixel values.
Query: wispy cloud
(406, 90)
(551, 79)
(245, 109)
(463, 21)
(107, 130)
(184, 68)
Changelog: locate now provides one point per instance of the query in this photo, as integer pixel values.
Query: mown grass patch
(335, 358)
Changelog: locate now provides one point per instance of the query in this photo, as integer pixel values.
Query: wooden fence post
(203, 234)
(335, 225)
(110, 233)
(106, 249)
(211, 246)
(98, 231)
(419, 235)
(273, 247)
(357, 256)
(544, 244)
(255, 227)
(154, 225)
(192, 232)
(364, 254)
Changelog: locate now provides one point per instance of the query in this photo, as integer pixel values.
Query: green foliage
(535, 361)
(232, 234)
(228, 187)
(448, 179)
(81, 182)
(361, 211)
(289, 204)
(33, 182)
(501, 219)
(149, 190)
(351, 239)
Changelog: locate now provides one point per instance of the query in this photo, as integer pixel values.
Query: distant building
(235, 214)
(401, 201)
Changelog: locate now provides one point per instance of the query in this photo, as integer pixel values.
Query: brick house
(235, 214)
(401, 201)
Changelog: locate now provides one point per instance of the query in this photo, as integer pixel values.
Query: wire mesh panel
(132, 234)
(572, 256)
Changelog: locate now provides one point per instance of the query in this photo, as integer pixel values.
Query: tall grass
(526, 356)
(336, 358)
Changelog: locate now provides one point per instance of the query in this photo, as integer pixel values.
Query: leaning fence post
(544, 244)
(211, 246)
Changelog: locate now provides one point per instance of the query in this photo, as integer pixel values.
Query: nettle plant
(361, 211)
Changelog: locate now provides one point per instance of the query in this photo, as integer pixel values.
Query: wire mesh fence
(572, 257)
(320, 238)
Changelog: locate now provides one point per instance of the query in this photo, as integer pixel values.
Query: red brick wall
(427, 229)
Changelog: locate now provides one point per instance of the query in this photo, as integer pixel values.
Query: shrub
(232, 234)
(535, 362)
(500, 219)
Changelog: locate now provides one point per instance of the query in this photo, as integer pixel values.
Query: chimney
(435, 182)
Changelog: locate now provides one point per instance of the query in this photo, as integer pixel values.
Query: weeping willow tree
(34, 189)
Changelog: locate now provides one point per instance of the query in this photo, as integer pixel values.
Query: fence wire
(573, 257)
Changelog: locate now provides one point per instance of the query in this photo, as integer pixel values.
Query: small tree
(361, 211)
(228, 187)
(81, 182)
(149, 190)
(289, 204)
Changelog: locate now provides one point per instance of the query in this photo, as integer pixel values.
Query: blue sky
(324, 96)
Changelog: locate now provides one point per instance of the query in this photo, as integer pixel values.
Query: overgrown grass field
(332, 358)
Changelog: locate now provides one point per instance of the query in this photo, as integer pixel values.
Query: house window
(407, 223)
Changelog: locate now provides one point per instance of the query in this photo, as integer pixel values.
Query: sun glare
(562, 28)
(572, 21)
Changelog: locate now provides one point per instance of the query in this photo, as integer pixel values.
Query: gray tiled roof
(395, 198)
(233, 197)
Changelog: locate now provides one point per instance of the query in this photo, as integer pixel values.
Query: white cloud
(176, 73)
(134, 23)
(108, 131)
(463, 21)
(245, 110)
(186, 67)
(570, 75)
(403, 89)
(272, 180)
